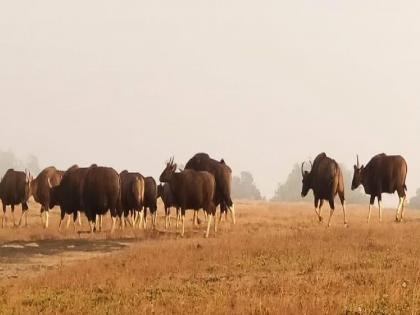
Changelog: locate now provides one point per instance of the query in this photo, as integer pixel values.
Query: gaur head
(357, 176)
(168, 171)
(306, 181)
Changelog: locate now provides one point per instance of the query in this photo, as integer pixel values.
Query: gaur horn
(303, 163)
(357, 157)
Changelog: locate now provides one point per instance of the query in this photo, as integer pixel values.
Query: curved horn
(357, 157)
(49, 183)
(303, 163)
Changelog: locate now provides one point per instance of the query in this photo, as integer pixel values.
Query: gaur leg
(155, 218)
(183, 221)
(371, 202)
(331, 202)
(178, 217)
(101, 221)
(97, 222)
(209, 224)
(380, 207)
(402, 208)
(232, 213)
(316, 202)
(42, 216)
(62, 215)
(3, 218)
(75, 215)
(342, 200)
(145, 218)
(79, 218)
(68, 220)
(24, 213)
(321, 203)
(114, 221)
(47, 215)
(141, 218)
(167, 209)
(211, 211)
(401, 195)
(195, 218)
(13, 215)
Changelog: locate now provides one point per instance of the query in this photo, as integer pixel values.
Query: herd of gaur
(204, 183)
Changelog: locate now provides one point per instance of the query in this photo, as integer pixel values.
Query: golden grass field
(277, 259)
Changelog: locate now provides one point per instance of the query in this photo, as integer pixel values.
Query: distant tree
(9, 160)
(290, 191)
(415, 201)
(243, 187)
(33, 165)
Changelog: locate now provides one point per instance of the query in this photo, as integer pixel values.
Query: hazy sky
(263, 84)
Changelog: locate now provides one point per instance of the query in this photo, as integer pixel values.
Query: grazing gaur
(383, 174)
(223, 176)
(101, 192)
(192, 190)
(326, 181)
(14, 190)
(132, 195)
(150, 200)
(165, 193)
(68, 194)
(40, 190)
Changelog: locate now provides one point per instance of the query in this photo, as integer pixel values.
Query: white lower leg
(329, 219)
(114, 221)
(47, 214)
(208, 225)
(79, 218)
(344, 214)
(183, 225)
(69, 217)
(400, 205)
(402, 208)
(370, 210)
(380, 211)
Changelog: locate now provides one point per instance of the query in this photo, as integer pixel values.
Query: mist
(261, 84)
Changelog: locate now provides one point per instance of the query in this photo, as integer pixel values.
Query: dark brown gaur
(150, 200)
(223, 176)
(165, 193)
(68, 194)
(101, 193)
(14, 190)
(192, 190)
(383, 174)
(40, 189)
(326, 181)
(132, 196)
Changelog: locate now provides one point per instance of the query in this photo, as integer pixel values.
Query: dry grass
(276, 260)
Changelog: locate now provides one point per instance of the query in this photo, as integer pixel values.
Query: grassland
(277, 259)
